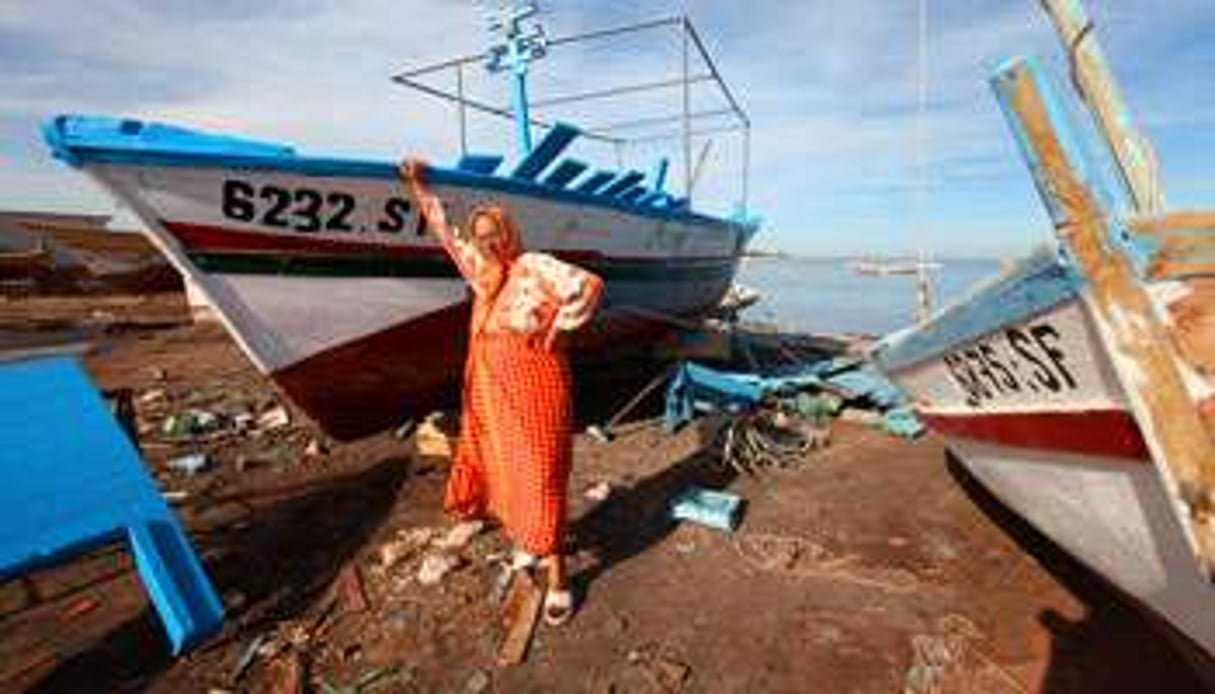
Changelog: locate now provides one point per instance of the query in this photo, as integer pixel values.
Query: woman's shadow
(638, 517)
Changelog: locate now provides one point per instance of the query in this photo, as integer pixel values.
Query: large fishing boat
(320, 269)
(1079, 386)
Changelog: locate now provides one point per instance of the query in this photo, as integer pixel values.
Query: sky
(845, 158)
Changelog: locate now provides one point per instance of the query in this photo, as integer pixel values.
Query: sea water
(825, 295)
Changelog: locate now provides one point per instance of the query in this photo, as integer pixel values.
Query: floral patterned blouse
(541, 295)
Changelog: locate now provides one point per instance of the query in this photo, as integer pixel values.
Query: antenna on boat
(521, 43)
(923, 279)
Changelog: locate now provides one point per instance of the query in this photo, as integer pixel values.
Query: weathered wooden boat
(1079, 386)
(25, 264)
(320, 268)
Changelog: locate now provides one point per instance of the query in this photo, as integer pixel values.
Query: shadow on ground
(637, 517)
(1085, 653)
(278, 554)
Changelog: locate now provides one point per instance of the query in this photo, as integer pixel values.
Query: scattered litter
(520, 612)
(372, 680)
(243, 420)
(666, 674)
(288, 673)
(175, 496)
(402, 432)
(406, 543)
(152, 396)
(435, 566)
(477, 683)
(460, 535)
(394, 551)
(274, 418)
(234, 601)
(901, 421)
(316, 449)
(248, 655)
(714, 509)
(189, 423)
(598, 492)
(867, 418)
(190, 464)
(598, 433)
(436, 436)
(497, 593)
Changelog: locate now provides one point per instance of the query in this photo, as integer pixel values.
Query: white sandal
(558, 607)
(521, 560)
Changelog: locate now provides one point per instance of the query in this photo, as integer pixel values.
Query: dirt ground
(874, 565)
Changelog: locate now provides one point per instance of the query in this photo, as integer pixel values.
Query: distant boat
(881, 268)
(321, 270)
(1079, 384)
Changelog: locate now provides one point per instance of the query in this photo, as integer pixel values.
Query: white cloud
(831, 88)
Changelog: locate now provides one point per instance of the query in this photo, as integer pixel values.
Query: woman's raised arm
(464, 254)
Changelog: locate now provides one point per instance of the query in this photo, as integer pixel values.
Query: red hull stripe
(204, 238)
(1109, 433)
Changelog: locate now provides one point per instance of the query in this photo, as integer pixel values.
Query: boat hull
(323, 272)
(1018, 382)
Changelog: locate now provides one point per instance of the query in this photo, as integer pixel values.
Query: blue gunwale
(1036, 284)
(178, 147)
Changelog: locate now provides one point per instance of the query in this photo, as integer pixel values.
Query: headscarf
(511, 244)
(510, 248)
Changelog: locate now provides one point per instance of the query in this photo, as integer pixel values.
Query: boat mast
(1136, 160)
(923, 281)
(521, 43)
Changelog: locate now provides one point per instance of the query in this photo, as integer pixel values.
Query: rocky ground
(871, 565)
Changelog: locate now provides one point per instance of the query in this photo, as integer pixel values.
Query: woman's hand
(413, 172)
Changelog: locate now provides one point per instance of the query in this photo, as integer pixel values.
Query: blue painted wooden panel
(1036, 284)
(622, 183)
(484, 164)
(632, 194)
(70, 481)
(545, 153)
(660, 174)
(651, 198)
(565, 172)
(595, 181)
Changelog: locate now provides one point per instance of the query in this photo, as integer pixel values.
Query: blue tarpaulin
(699, 388)
(71, 481)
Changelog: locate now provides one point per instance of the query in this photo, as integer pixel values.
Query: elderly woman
(514, 454)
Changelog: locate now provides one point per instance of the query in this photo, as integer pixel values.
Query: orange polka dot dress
(515, 449)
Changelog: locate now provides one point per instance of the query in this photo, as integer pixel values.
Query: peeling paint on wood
(1181, 220)
(1193, 317)
(1136, 338)
(1133, 153)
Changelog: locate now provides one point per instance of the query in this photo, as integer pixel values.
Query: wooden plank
(1180, 220)
(565, 172)
(520, 613)
(1193, 318)
(545, 153)
(1132, 152)
(1138, 342)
